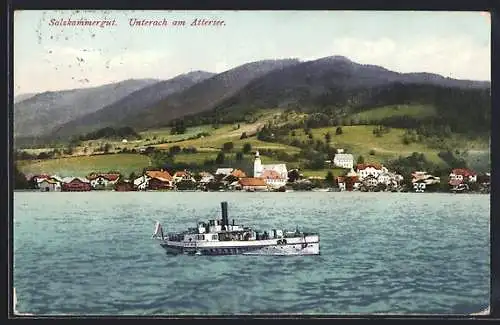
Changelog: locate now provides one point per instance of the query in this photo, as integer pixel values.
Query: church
(275, 175)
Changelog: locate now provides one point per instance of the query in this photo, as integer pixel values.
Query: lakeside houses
(206, 177)
(224, 171)
(422, 181)
(349, 182)
(154, 180)
(49, 185)
(46, 183)
(365, 170)
(343, 160)
(273, 179)
(38, 178)
(460, 179)
(274, 175)
(463, 175)
(252, 184)
(268, 177)
(231, 180)
(184, 175)
(141, 183)
(424, 177)
(103, 181)
(76, 184)
(377, 177)
(238, 173)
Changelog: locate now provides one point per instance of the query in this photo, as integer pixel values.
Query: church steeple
(257, 165)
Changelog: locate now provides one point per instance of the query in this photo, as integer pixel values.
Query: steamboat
(219, 237)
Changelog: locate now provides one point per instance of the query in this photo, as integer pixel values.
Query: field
(379, 113)
(218, 137)
(82, 166)
(360, 140)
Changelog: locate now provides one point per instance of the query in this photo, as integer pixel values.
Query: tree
(361, 160)
(106, 148)
(220, 158)
(174, 150)
(329, 179)
(239, 155)
(293, 175)
(338, 131)
(247, 148)
(328, 137)
(228, 146)
(20, 181)
(179, 127)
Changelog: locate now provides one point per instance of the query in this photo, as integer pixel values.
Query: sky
(48, 57)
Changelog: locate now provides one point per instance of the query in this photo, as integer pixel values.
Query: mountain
(131, 104)
(21, 97)
(204, 95)
(336, 86)
(39, 114)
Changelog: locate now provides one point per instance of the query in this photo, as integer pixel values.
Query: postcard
(173, 163)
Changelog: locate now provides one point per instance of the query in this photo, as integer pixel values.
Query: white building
(463, 174)
(103, 180)
(424, 177)
(223, 171)
(142, 182)
(183, 176)
(259, 168)
(365, 170)
(206, 177)
(49, 185)
(273, 179)
(343, 160)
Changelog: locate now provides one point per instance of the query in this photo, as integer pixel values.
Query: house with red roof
(183, 175)
(273, 179)
(100, 181)
(238, 173)
(462, 175)
(252, 184)
(154, 180)
(75, 184)
(349, 182)
(49, 185)
(373, 170)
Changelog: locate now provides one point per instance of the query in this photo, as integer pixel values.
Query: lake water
(92, 253)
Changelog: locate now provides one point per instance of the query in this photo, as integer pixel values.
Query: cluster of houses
(266, 177)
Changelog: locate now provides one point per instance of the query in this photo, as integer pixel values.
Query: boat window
(214, 237)
(212, 222)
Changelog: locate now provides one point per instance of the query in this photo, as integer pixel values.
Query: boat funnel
(225, 218)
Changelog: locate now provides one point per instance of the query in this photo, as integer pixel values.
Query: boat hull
(293, 246)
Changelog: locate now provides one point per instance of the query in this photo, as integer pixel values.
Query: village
(271, 178)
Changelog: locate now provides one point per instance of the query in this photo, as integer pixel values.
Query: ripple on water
(91, 253)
